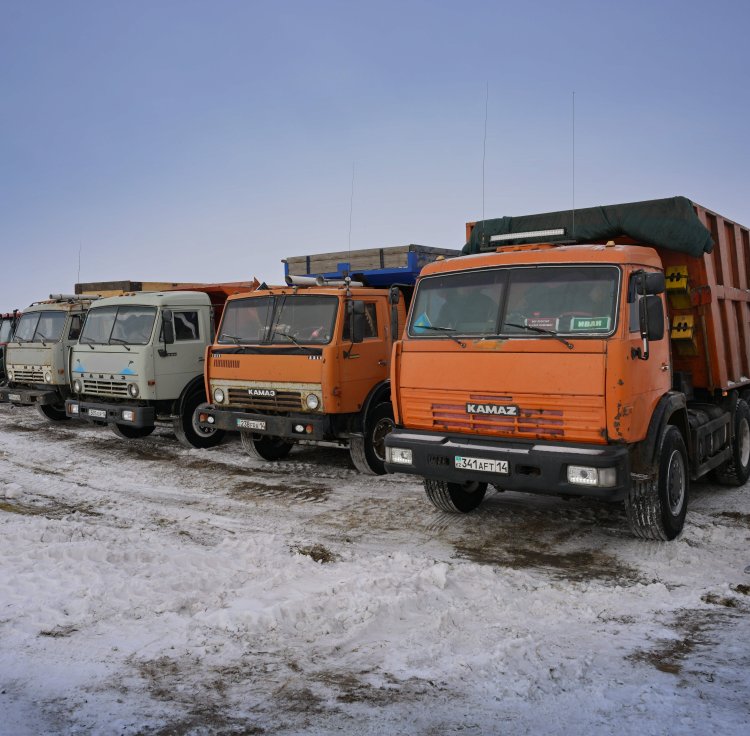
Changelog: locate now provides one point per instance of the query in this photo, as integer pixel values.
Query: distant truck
(36, 357)
(309, 362)
(7, 325)
(139, 361)
(601, 353)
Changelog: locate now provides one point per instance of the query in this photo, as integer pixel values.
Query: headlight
(312, 401)
(10, 375)
(77, 386)
(133, 390)
(398, 455)
(128, 416)
(47, 377)
(584, 476)
(218, 396)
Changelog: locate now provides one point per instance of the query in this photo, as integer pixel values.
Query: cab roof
(157, 299)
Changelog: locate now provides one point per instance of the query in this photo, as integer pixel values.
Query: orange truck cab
(613, 363)
(309, 362)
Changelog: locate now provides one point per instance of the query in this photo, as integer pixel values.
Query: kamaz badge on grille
(268, 392)
(506, 410)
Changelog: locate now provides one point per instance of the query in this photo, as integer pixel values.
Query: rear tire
(368, 452)
(53, 412)
(455, 497)
(656, 507)
(263, 447)
(187, 430)
(128, 432)
(736, 471)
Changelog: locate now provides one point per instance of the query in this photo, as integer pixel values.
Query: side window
(371, 322)
(186, 326)
(76, 322)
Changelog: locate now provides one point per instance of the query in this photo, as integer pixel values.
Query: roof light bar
(530, 234)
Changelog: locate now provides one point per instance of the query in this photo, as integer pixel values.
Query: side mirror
(167, 326)
(647, 282)
(356, 313)
(651, 320)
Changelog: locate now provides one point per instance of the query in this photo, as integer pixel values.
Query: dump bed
(709, 306)
(372, 266)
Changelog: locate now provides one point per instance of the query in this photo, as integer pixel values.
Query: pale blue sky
(206, 140)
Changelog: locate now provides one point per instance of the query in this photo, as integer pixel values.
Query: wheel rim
(204, 431)
(743, 442)
(676, 482)
(381, 430)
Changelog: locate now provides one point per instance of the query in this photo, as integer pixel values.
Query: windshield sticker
(544, 323)
(587, 324)
(422, 322)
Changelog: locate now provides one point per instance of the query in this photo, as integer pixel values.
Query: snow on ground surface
(149, 589)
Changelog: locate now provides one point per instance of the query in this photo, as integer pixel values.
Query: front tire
(736, 471)
(263, 447)
(455, 497)
(656, 507)
(368, 452)
(128, 432)
(53, 412)
(187, 430)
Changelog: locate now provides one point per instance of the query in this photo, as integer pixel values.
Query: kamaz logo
(268, 392)
(506, 410)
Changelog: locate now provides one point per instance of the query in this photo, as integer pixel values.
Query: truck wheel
(128, 432)
(656, 507)
(55, 413)
(736, 471)
(262, 447)
(368, 452)
(452, 497)
(187, 430)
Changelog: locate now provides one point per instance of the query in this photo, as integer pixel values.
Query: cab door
(364, 364)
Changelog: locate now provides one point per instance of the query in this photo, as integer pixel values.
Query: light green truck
(36, 357)
(139, 362)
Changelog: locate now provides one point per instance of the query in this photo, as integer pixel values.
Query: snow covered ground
(147, 589)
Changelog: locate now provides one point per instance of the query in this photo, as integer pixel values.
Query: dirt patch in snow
(50, 509)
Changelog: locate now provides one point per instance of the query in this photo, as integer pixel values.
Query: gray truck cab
(36, 356)
(139, 363)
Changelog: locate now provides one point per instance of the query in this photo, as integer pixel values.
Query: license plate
(98, 413)
(482, 465)
(14, 397)
(250, 424)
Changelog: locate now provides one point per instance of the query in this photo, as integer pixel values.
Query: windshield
(40, 327)
(5, 330)
(517, 301)
(124, 325)
(284, 318)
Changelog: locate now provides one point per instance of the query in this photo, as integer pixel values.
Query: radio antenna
(574, 166)
(484, 151)
(351, 209)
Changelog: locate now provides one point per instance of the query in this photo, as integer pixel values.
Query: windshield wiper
(231, 337)
(543, 331)
(42, 338)
(447, 331)
(124, 343)
(86, 340)
(294, 340)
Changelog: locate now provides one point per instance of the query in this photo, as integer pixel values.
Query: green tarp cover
(663, 223)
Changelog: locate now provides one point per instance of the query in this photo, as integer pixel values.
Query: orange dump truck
(309, 362)
(602, 352)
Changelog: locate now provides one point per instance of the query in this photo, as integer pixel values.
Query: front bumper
(29, 396)
(143, 416)
(533, 467)
(313, 426)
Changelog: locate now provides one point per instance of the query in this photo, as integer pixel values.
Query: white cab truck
(139, 362)
(36, 356)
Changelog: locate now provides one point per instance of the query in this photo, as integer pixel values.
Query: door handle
(382, 363)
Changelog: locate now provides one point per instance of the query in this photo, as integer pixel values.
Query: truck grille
(105, 388)
(28, 375)
(540, 416)
(282, 401)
